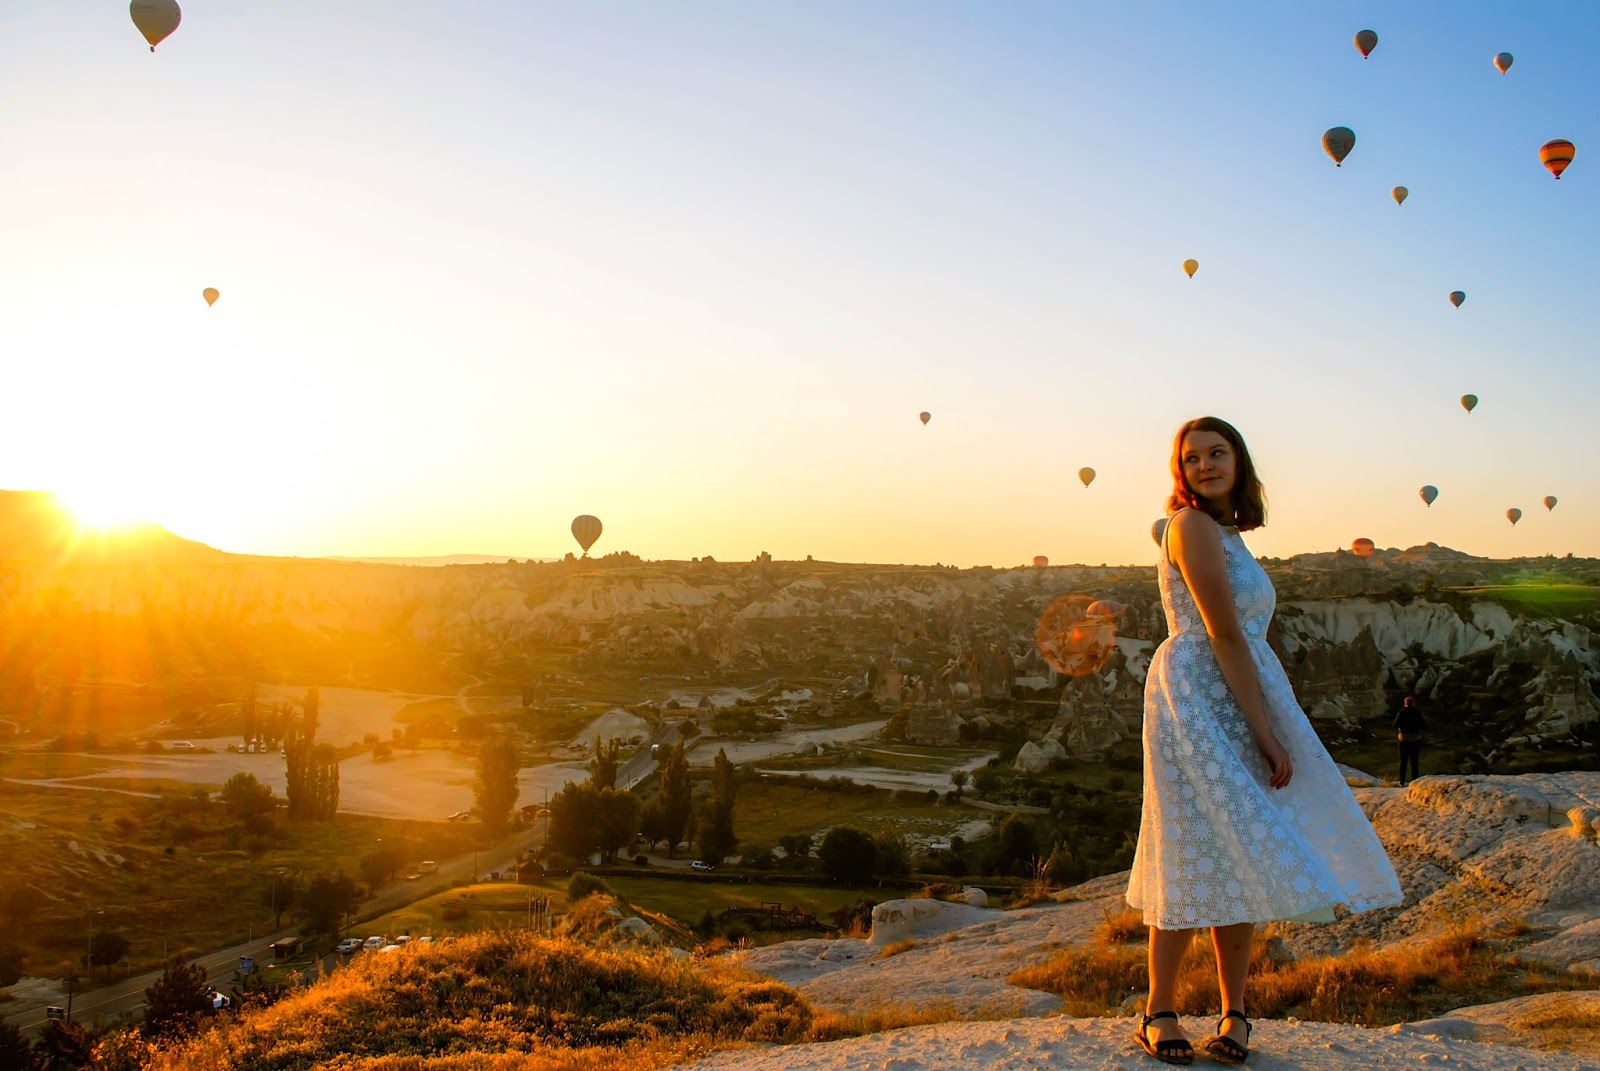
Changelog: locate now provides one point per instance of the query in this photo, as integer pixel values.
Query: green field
(768, 810)
(1556, 600)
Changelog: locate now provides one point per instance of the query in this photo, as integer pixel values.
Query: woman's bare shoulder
(1195, 524)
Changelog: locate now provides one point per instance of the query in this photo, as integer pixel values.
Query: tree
(619, 822)
(277, 896)
(62, 1042)
(795, 845)
(574, 818)
(607, 759)
(12, 959)
(495, 787)
(1016, 845)
(382, 751)
(847, 854)
(893, 857)
(676, 797)
(107, 949)
(311, 770)
(15, 1052)
(380, 865)
(174, 1001)
(247, 797)
(653, 823)
(959, 779)
(717, 837)
(326, 900)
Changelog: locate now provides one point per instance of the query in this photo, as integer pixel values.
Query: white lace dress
(1217, 844)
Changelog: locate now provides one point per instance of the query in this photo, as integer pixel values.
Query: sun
(106, 507)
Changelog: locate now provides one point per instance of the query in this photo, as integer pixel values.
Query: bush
(584, 884)
(847, 854)
(760, 859)
(641, 860)
(736, 932)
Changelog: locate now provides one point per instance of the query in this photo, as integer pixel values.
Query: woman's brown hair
(1249, 497)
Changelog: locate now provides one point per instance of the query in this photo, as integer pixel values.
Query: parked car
(372, 944)
(403, 939)
(426, 939)
(219, 1000)
(428, 866)
(391, 948)
(702, 866)
(181, 745)
(349, 945)
(460, 816)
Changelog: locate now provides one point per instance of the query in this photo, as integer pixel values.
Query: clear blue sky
(695, 268)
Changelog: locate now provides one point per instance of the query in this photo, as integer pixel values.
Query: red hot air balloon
(1556, 155)
(1364, 547)
(1040, 561)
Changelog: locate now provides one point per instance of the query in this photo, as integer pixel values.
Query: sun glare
(102, 508)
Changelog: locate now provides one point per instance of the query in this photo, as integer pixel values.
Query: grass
(203, 896)
(1556, 600)
(770, 809)
(1364, 986)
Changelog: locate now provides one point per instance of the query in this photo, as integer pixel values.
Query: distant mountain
(440, 559)
(35, 527)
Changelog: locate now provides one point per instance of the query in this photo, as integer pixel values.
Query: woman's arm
(1195, 544)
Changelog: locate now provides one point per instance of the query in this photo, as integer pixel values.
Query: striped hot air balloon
(1556, 155)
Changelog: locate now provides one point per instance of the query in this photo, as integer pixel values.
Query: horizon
(697, 272)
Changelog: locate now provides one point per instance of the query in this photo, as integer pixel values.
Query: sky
(696, 267)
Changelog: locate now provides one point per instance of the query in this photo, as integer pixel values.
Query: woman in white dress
(1246, 818)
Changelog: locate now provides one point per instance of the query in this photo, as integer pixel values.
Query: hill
(34, 527)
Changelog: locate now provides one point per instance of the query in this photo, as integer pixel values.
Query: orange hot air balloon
(586, 529)
(1337, 143)
(1556, 155)
(1502, 62)
(1364, 547)
(1366, 41)
(1399, 193)
(155, 19)
(1191, 266)
(210, 294)
(1086, 475)
(1469, 402)
(1457, 297)
(1040, 561)
(1513, 515)
(1549, 502)
(924, 417)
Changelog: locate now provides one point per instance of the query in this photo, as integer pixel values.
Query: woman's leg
(1232, 944)
(1166, 956)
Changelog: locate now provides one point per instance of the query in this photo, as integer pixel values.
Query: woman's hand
(1277, 757)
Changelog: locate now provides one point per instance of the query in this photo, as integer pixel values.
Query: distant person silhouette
(1410, 724)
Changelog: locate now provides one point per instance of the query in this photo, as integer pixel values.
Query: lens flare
(1077, 634)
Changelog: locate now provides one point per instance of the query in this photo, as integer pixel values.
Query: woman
(1246, 818)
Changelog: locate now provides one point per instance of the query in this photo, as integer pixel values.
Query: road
(641, 763)
(126, 997)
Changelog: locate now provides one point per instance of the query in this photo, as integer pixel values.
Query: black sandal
(1169, 1051)
(1221, 1047)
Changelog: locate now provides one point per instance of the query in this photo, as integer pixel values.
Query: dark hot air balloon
(1158, 529)
(1513, 515)
(155, 19)
(1549, 502)
(1338, 142)
(1502, 62)
(1457, 297)
(1556, 155)
(1428, 493)
(1469, 402)
(586, 529)
(1366, 41)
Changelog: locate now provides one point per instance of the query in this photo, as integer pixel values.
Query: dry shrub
(1121, 928)
(832, 1026)
(1372, 987)
(552, 1004)
(895, 949)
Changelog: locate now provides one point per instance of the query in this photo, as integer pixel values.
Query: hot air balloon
(1190, 267)
(1502, 62)
(1549, 502)
(1040, 561)
(1556, 155)
(1366, 41)
(1457, 297)
(1513, 515)
(924, 417)
(1428, 493)
(210, 294)
(586, 530)
(1158, 529)
(1399, 193)
(1086, 475)
(156, 19)
(1338, 142)
(1469, 402)
(1364, 547)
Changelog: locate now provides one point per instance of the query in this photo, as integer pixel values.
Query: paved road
(126, 997)
(641, 763)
